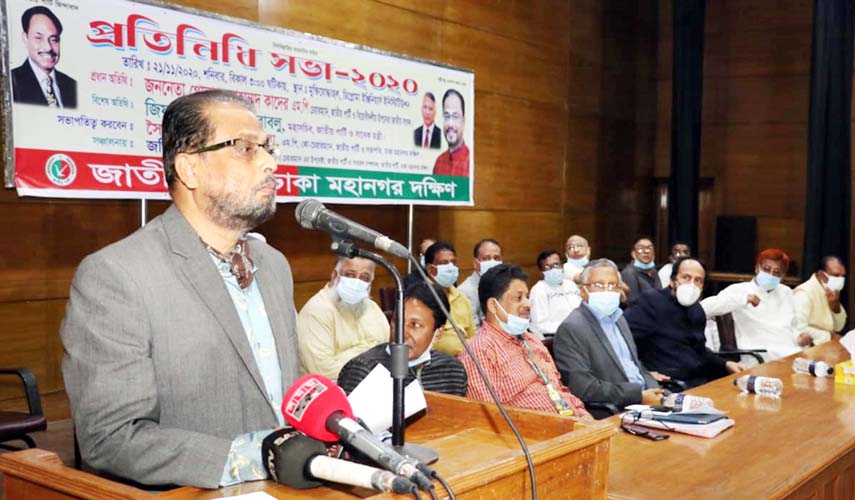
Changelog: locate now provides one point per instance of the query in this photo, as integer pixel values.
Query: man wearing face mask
(423, 321)
(817, 301)
(441, 266)
(553, 297)
(415, 276)
(640, 274)
(486, 254)
(577, 251)
(679, 249)
(340, 321)
(515, 361)
(668, 327)
(763, 309)
(594, 349)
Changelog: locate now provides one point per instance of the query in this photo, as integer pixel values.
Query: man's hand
(734, 367)
(659, 377)
(652, 397)
(804, 339)
(833, 298)
(753, 300)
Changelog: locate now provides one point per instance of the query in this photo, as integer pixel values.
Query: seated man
(640, 274)
(517, 364)
(817, 301)
(340, 321)
(678, 249)
(668, 327)
(763, 310)
(486, 255)
(594, 350)
(441, 267)
(553, 297)
(423, 320)
(179, 339)
(578, 252)
(415, 276)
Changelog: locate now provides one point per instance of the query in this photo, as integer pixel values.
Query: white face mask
(688, 294)
(486, 265)
(835, 283)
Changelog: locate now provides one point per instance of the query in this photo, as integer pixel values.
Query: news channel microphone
(301, 462)
(318, 407)
(311, 214)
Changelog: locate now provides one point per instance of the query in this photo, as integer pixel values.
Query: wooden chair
(15, 425)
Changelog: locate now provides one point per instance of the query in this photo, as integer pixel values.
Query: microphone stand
(398, 351)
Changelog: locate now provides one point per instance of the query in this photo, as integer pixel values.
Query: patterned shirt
(506, 363)
(455, 163)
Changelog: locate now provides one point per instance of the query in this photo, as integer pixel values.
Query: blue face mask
(352, 290)
(643, 266)
(423, 358)
(766, 281)
(422, 261)
(553, 277)
(578, 262)
(603, 304)
(446, 275)
(515, 326)
(486, 265)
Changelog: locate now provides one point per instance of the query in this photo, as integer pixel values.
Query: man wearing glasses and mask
(341, 321)
(180, 339)
(553, 297)
(640, 274)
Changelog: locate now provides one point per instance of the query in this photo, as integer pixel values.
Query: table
(799, 446)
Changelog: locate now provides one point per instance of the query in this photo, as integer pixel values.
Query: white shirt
(427, 132)
(571, 270)
(770, 325)
(550, 305)
(41, 76)
(665, 275)
(469, 288)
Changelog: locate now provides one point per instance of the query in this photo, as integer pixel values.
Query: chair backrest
(726, 332)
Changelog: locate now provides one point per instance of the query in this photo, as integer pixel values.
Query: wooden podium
(478, 456)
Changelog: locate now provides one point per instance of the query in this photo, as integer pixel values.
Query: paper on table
(848, 341)
(371, 400)
(258, 495)
(710, 430)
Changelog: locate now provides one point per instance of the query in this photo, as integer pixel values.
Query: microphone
(300, 462)
(311, 214)
(317, 407)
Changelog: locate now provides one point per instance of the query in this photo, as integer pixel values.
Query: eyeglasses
(644, 249)
(547, 267)
(602, 287)
(576, 247)
(243, 149)
(452, 116)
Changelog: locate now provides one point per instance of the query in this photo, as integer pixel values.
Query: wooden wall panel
(562, 88)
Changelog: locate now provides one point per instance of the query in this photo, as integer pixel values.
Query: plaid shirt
(506, 362)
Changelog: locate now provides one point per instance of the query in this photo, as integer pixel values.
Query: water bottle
(764, 386)
(815, 368)
(679, 402)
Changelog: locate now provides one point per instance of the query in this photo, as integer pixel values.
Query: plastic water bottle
(680, 402)
(764, 386)
(809, 366)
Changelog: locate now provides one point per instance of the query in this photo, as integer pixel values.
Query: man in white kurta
(553, 298)
(762, 309)
(817, 302)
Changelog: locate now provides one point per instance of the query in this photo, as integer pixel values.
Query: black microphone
(301, 462)
(311, 214)
(318, 407)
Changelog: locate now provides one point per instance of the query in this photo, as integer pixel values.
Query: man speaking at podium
(180, 339)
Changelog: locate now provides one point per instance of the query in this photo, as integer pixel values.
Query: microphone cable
(444, 485)
(483, 376)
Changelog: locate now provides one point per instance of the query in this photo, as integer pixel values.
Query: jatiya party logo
(60, 170)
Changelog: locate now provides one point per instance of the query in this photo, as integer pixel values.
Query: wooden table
(478, 455)
(799, 446)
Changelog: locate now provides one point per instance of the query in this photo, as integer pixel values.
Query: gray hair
(586, 273)
(341, 260)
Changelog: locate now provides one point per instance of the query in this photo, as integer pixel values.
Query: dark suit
(435, 140)
(639, 281)
(589, 365)
(26, 88)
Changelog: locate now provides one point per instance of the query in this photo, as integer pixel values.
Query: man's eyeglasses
(547, 267)
(452, 116)
(243, 149)
(577, 247)
(643, 249)
(602, 287)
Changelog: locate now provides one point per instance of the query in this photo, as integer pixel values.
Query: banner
(87, 83)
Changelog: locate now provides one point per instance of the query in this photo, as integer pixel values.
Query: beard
(240, 210)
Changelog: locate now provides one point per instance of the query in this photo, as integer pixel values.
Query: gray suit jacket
(589, 365)
(158, 369)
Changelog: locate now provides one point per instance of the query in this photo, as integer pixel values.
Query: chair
(17, 425)
(727, 341)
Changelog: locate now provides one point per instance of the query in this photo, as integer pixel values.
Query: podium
(478, 455)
